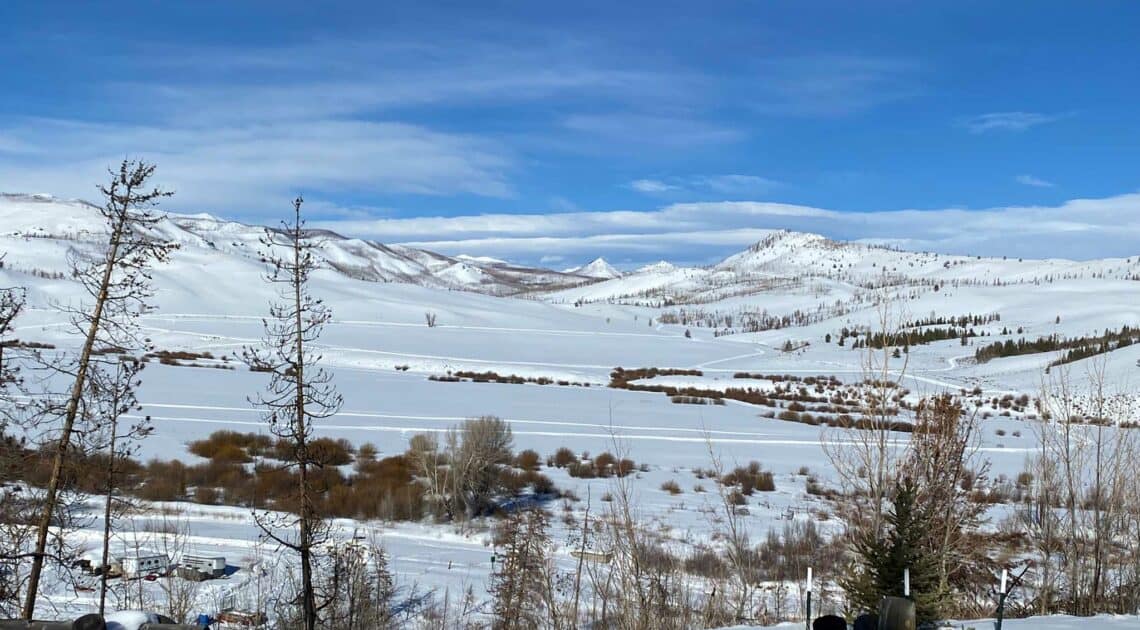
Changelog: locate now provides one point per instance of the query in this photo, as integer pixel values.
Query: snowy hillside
(794, 258)
(760, 319)
(64, 223)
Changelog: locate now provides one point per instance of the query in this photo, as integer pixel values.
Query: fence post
(807, 622)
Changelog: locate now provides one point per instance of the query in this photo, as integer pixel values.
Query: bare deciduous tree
(1083, 500)
(866, 457)
(484, 447)
(940, 457)
(743, 562)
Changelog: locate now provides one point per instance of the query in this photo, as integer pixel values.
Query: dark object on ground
(896, 613)
(867, 621)
(89, 622)
(829, 622)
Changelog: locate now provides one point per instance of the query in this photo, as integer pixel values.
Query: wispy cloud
(735, 184)
(625, 131)
(831, 84)
(1030, 180)
(322, 116)
(253, 168)
(731, 185)
(337, 77)
(355, 120)
(1007, 121)
(651, 186)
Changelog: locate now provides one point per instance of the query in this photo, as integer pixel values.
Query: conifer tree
(521, 583)
(885, 559)
(299, 392)
(116, 279)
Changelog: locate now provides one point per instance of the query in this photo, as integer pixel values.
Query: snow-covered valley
(778, 309)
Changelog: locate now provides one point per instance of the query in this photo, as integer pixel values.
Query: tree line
(1077, 348)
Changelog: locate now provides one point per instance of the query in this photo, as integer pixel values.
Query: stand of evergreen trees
(1077, 348)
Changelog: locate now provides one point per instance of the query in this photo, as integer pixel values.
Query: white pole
(1004, 574)
(807, 619)
(906, 582)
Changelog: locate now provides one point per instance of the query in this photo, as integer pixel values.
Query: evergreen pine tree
(885, 557)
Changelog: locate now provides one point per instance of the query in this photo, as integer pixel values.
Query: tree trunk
(69, 423)
(309, 599)
(107, 520)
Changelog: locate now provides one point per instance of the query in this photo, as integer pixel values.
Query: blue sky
(556, 133)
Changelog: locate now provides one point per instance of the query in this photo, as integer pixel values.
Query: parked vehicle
(200, 568)
(144, 564)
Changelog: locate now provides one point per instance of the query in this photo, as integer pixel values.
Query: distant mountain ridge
(780, 258)
(45, 217)
(784, 258)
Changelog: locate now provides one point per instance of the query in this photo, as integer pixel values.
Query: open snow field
(210, 300)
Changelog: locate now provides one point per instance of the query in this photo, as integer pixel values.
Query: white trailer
(144, 564)
(208, 566)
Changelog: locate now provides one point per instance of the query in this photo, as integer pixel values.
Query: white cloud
(257, 168)
(240, 130)
(625, 131)
(735, 184)
(320, 117)
(701, 232)
(730, 185)
(1007, 121)
(1030, 180)
(336, 77)
(651, 186)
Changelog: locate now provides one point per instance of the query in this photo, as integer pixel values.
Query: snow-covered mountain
(38, 230)
(57, 225)
(784, 259)
(599, 268)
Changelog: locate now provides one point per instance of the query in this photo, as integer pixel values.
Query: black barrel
(896, 613)
(829, 622)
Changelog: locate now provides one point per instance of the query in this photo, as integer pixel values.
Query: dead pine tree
(522, 584)
(298, 393)
(116, 280)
